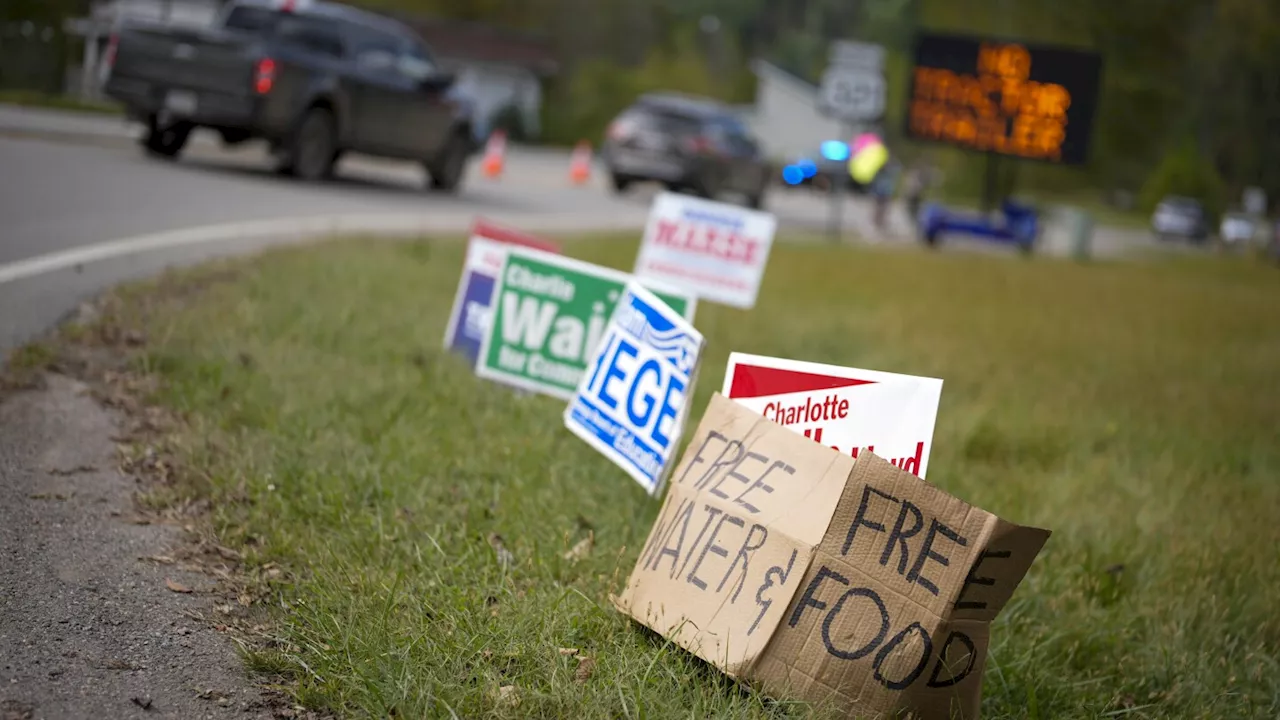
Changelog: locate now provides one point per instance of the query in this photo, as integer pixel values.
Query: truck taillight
(264, 76)
(109, 55)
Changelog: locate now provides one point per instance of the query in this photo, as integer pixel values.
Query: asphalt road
(71, 182)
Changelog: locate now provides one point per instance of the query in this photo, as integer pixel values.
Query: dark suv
(687, 143)
(314, 79)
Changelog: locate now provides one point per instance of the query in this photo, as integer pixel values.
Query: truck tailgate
(203, 60)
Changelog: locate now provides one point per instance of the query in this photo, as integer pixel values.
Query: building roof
(462, 40)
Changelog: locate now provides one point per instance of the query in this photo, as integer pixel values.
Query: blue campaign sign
(631, 403)
(476, 299)
(473, 302)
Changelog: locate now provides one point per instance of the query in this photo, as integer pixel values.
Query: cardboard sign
(632, 402)
(472, 303)
(715, 250)
(847, 409)
(549, 314)
(823, 577)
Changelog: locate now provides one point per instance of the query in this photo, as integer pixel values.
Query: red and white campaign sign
(714, 250)
(843, 408)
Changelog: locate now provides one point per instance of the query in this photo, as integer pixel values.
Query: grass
(1134, 409)
(32, 98)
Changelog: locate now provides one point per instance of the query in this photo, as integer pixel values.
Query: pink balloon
(864, 141)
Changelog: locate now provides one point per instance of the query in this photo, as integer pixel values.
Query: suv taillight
(699, 144)
(618, 129)
(264, 76)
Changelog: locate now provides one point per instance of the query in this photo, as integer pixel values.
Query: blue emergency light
(792, 175)
(835, 151)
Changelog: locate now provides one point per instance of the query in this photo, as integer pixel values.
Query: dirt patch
(118, 600)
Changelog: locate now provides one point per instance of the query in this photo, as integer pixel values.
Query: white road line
(253, 229)
(282, 228)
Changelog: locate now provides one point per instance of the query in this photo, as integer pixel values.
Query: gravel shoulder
(89, 627)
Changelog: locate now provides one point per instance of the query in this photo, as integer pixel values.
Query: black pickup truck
(313, 79)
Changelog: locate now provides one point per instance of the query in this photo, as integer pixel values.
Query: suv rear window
(664, 120)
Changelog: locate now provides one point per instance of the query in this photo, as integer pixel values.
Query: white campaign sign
(632, 402)
(844, 408)
(715, 250)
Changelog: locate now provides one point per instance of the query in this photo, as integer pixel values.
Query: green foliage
(1185, 171)
(599, 89)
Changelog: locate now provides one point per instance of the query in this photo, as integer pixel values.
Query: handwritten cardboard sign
(845, 408)
(715, 250)
(549, 314)
(819, 576)
(473, 301)
(632, 402)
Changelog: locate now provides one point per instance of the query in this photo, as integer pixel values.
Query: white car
(1237, 228)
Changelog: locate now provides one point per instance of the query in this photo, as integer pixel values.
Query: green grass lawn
(1134, 409)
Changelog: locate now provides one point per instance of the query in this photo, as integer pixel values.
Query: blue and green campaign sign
(548, 317)
(631, 403)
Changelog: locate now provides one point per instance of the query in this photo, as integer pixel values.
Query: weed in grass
(1132, 408)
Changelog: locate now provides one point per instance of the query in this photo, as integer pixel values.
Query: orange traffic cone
(580, 163)
(495, 151)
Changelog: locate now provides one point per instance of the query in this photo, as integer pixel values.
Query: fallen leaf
(176, 586)
(72, 471)
(505, 558)
(227, 553)
(568, 651)
(510, 695)
(582, 549)
(142, 702)
(48, 496)
(586, 666)
(244, 600)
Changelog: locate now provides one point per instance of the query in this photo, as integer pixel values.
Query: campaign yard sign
(486, 251)
(549, 315)
(844, 582)
(632, 401)
(715, 250)
(845, 408)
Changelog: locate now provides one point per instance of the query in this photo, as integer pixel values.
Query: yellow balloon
(864, 166)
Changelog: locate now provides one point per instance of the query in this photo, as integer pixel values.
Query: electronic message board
(1005, 97)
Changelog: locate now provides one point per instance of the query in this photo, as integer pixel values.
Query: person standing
(882, 190)
(913, 188)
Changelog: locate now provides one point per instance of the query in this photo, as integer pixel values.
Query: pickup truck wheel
(167, 141)
(446, 171)
(310, 152)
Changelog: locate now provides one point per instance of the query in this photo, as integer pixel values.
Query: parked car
(687, 143)
(1180, 217)
(313, 79)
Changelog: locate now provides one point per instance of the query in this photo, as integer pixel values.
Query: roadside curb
(302, 229)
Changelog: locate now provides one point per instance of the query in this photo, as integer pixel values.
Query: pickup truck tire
(621, 183)
(310, 150)
(447, 170)
(167, 141)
